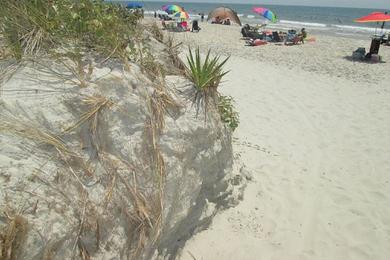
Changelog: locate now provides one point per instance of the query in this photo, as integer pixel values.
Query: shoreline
(333, 30)
(328, 55)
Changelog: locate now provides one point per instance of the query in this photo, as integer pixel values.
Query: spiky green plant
(206, 75)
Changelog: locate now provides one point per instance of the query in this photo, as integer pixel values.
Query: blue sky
(384, 4)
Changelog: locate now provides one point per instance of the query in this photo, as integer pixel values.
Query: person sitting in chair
(227, 22)
(195, 26)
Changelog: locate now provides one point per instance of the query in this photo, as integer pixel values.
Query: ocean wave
(250, 16)
(307, 24)
(356, 28)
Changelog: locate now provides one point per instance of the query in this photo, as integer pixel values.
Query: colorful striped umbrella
(181, 15)
(171, 9)
(266, 13)
(374, 17)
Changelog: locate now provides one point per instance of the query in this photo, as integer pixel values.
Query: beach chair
(292, 38)
(276, 37)
(245, 30)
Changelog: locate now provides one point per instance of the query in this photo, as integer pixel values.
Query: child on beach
(303, 35)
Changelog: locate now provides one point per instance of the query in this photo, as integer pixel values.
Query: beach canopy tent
(266, 13)
(224, 13)
(134, 5)
(171, 9)
(375, 17)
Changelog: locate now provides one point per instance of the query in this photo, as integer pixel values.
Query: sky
(383, 4)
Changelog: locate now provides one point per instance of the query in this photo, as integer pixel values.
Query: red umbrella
(374, 17)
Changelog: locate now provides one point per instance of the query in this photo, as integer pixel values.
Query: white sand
(315, 133)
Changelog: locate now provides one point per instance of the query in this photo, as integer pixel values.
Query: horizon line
(222, 2)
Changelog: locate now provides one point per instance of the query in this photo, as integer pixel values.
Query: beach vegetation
(173, 49)
(156, 32)
(228, 114)
(206, 74)
(30, 26)
(13, 236)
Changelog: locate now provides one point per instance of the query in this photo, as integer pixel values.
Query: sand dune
(315, 133)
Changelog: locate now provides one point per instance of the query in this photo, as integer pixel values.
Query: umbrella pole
(376, 28)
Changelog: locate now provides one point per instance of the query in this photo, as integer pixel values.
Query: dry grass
(14, 126)
(173, 50)
(6, 72)
(74, 68)
(13, 237)
(133, 199)
(158, 104)
(32, 41)
(156, 32)
(95, 104)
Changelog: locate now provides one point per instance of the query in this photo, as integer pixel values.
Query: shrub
(227, 111)
(29, 25)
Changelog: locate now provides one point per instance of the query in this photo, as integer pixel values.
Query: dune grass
(28, 26)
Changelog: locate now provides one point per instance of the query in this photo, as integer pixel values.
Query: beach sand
(315, 133)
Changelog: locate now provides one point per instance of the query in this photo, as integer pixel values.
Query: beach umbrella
(375, 17)
(224, 13)
(181, 15)
(266, 13)
(171, 9)
(134, 5)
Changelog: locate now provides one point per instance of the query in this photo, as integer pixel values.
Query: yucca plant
(206, 75)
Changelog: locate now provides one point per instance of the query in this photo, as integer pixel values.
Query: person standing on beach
(202, 17)
(155, 14)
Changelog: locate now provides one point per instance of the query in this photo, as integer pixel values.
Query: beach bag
(359, 54)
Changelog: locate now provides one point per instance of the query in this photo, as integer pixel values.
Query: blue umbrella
(133, 5)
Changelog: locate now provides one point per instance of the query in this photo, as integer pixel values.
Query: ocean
(331, 20)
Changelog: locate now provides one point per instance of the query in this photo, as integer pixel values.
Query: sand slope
(319, 147)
